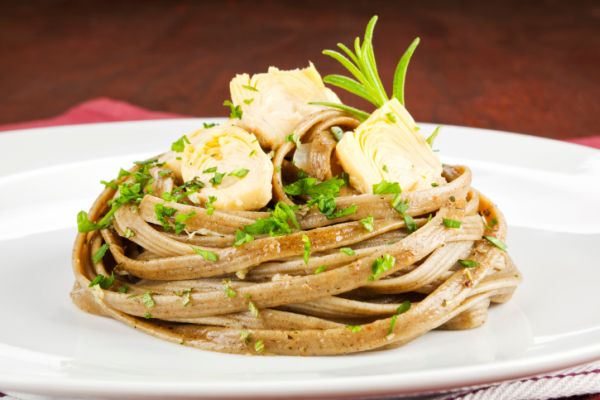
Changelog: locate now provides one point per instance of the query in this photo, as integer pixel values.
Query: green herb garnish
(105, 282)
(179, 145)
(229, 292)
(242, 237)
(366, 82)
(354, 328)
(367, 223)
(433, 136)
(320, 269)
(99, 254)
(497, 242)
(259, 346)
(148, 300)
(206, 254)
(306, 241)
(234, 111)
(240, 172)
(347, 251)
(452, 223)
(468, 263)
(385, 187)
(381, 265)
(210, 205)
(402, 308)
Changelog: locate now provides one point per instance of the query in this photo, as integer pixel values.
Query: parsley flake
(354, 328)
(402, 308)
(206, 254)
(148, 300)
(306, 241)
(347, 251)
(320, 269)
(385, 187)
(179, 145)
(367, 223)
(234, 111)
(496, 242)
(103, 281)
(452, 223)
(468, 263)
(381, 266)
(240, 172)
(99, 254)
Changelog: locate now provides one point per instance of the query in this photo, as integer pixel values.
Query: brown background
(525, 66)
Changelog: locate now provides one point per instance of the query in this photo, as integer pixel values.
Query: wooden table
(529, 67)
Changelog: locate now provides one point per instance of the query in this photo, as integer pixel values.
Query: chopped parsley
(240, 172)
(381, 266)
(147, 315)
(206, 254)
(402, 308)
(229, 292)
(385, 187)
(129, 233)
(244, 336)
(385, 168)
(347, 251)
(367, 223)
(496, 242)
(105, 282)
(322, 194)
(99, 254)
(251, 88)
(124, 289)
(110, 184)
(209, 170)
(354, 328)
(248, 101)
(217, 179)
(391, 117)
(207, 125)
(148, 300)
(183, 191)
(452, 223)
(180, 220)
(277, 224)
(306, 241)
(129, 192)
(293, 138)
(320, 268)
(234, 111)
(210, 205)
(242, 237)
(253, 152)
(468, 263)
(434, 184)
(433, 136)
(253, 309)
(259, 346)
(410, 223)
(179, 145)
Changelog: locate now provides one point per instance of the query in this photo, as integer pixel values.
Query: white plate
(549, 191)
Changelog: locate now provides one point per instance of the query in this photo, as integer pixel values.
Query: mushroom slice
(387, 146)
(273, 103)
(231, 164)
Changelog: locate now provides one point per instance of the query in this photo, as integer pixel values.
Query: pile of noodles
(293, 310)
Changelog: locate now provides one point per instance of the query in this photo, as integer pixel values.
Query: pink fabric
(101, 109)
(576, 381)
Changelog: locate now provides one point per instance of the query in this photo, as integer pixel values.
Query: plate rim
(393, 383)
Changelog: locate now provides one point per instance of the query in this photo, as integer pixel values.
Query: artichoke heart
(273, 103)
(387, 146)
(231, 164)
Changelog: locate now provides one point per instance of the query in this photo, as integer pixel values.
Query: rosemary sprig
(365, 81)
